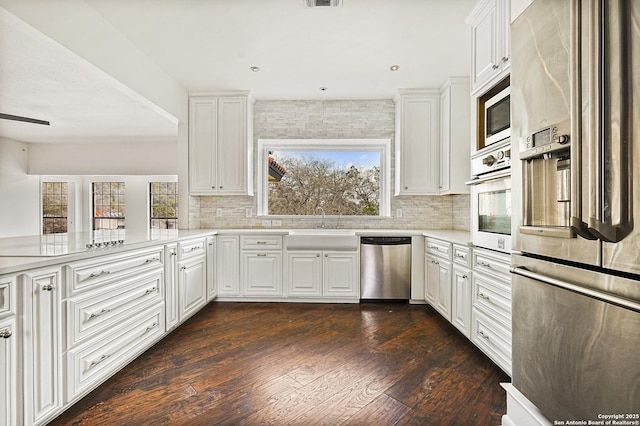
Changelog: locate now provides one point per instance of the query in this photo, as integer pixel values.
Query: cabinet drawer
(437, 247)
(462, 255)
(83, 276)
(190, 249)
(7, 296)
(492, 296)
(492, 338)
(93, 312)
(265, 242)
(101, 357)
(492, 264)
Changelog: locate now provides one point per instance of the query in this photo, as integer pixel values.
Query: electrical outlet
(266, 223)
(219, 212)
(276, 222)
(247, 212)
(398, 212)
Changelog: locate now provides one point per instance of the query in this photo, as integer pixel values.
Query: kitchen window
(108, 205)
(55, 200)
(163, 205)
(345, 177)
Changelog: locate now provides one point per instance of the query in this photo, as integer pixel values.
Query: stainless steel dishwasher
(385, 268)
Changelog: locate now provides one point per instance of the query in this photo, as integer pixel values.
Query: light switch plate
(276, 222)
(247, 212)
(219, 212)
(398, 212)
(266, 223)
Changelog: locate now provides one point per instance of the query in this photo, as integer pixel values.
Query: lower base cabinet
(192, 284)
(8, 371)
(319, 274)
(461, 300)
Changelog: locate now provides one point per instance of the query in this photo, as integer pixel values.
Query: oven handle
(487, 178)
(615, 300)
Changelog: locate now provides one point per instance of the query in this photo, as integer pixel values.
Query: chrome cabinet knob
(5, 333)
(47, 287)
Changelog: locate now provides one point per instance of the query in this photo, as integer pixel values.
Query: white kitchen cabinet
(341, 274)
(228, 265)
(491, 313)
(417, 142)
(9, 341)
(42, 345)
(211, 268)
(461, 300)
(323, 274)
(490, 22)
(430, 279)
(443, 288)
(220, 145)
(304, 274)
(192, 277)
(261, 268)
(438, 275)
(172, 297)
(455, 136)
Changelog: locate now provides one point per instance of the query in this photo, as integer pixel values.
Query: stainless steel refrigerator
(575, 105)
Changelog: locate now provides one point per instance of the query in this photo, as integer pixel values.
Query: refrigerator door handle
(619, 301)
(610, 144)
(577, 224)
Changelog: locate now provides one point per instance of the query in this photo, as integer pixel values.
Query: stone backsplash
(337, 119)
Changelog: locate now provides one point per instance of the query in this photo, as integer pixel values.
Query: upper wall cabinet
(490, 45)
(416, 142)
(455, 136)
(220, 145)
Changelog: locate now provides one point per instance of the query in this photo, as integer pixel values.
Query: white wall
(19, 192)
(111, 158)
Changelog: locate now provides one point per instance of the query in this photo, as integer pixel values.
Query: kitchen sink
(322, 239)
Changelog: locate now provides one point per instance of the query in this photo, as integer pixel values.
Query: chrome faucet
(321, 211)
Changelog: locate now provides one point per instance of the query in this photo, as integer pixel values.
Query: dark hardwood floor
(303, 364)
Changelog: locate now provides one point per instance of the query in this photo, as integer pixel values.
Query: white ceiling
(209, 45)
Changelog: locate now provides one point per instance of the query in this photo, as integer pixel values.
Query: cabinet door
(211, 268)
(304, 274)
(455, 121)
(203, 139)
(232, 145)
(443, 293)
(193, 286)
(42, 346)
(417, 154)
(431, 276)
(262, 274)
(8, 369)
(445, 138)
(228, 266)
(461, 300)
(172, 296)
(484, 45)
(340, 274)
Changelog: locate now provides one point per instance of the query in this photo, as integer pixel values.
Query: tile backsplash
(344, 119)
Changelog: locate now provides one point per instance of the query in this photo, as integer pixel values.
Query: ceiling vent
(323, 3)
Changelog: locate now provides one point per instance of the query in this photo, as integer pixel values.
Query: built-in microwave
(497, 117)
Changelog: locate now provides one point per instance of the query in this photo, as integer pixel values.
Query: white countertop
(36, 251)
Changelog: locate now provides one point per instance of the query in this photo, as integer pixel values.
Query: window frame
(66, 216)
(93, 205)
(382, 146)
(177, 198)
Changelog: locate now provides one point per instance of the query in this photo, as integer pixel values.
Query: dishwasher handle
(385, 241)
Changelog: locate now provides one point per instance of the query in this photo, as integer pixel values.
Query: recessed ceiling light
(254, 69)
(394, 67)
(324, 89)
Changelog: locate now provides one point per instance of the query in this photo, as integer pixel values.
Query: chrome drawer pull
(483, 296)
(47, 287)
(484, 336)
(5, 333)
(102, 358)
(151, 327)
(485, 264)
(196, 248)
(153, 259)
(460, 256)
(149, 291)
(435, 248)
(102, 312)
(261, 255)
(94, 274)
(261, 242)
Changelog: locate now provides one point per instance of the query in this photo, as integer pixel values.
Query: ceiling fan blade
(25, 119)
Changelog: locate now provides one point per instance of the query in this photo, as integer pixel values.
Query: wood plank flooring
(303, 364)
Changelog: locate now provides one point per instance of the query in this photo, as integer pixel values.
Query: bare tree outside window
(318, 179)
(163, 205)
(108, 205)
(55, 201)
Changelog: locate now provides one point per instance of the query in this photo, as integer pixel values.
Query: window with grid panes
(108, 205)
(55, 200)
(163, 205)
